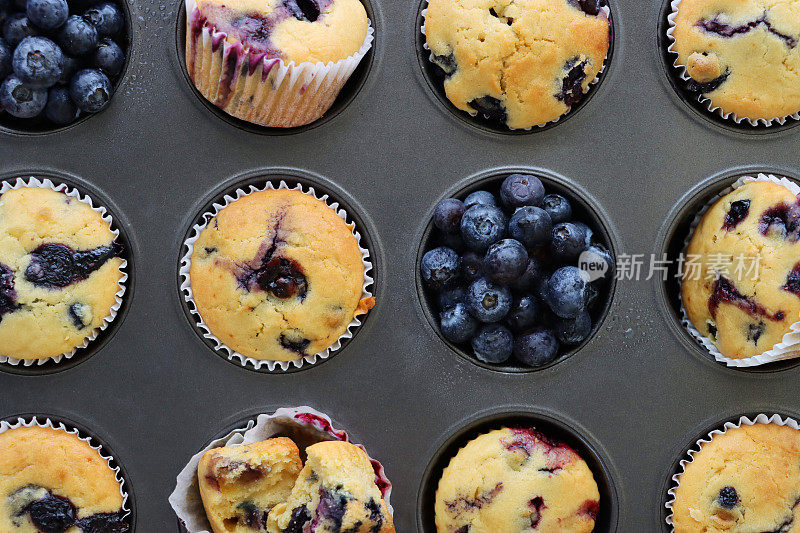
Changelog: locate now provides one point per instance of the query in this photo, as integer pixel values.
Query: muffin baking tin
(632, 399)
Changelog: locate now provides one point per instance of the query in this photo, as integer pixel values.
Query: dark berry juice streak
(793, 281)
(724, 291)
(55, 265)
(724, 29)
(572, 84)
(737, 212)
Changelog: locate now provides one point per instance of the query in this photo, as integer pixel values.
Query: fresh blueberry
(480, 198)
(78, 37)
(493, 344)
(456, 324)
(451, 296)
(573, 330)
(505, 261)
(536, 348)
(447, 215)
(599, 253)
(587, 232)
(482, 226)
(471, 267)
(521, 189)
(531, 226)
(69, 70)
(568, 242)
(20, 100)
(60, 109)
(525, 312)
(526, 283)
(728, 497)
(439, 267)
(557, 207)
(90, 90)
(487, 301)
(17, 27)
(107, 18)
(5, 59)
(47, 14)
(51, 513)
(110, 58)
(38, 62)
(566, 292)
(541, 286)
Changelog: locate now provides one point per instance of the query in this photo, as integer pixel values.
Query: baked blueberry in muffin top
(53, 482)
(740, 282)
(59, 272)
(525, 481)
(742, 55)
(519, 63)
(278, 275)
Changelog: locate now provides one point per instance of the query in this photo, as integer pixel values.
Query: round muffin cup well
(74, 193)
(500, 127)
(706, 102)
(789, 348)
(6, 425)
(304, 425)
(186, 282)
(258, 89)
(743, 421)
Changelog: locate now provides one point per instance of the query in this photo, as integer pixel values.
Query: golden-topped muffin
(521, 63)
(746, 479)
(59, 272)
(335, 491)
(277, 275)
(741, 279)
(51, 480)
(743, 55)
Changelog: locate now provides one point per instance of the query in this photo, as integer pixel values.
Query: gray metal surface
(639, 392)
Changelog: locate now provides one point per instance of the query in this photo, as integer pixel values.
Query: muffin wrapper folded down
(743, 421)
(789, 347)
(684, 75)
(233, 355)
(69, 191)
(604, 9)
(6, 425)
(258, 89)
(186, 500)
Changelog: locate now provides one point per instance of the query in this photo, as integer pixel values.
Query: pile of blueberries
(504, 272)
(59, 59)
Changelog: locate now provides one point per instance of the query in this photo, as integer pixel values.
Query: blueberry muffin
(741, 279)
(240, 485)
(277, 275)
(511, 480)
(51, 480)
(520, 63)
(745, 479)
(334, 493)
(743, 55)
(59, 272)
(248, 79)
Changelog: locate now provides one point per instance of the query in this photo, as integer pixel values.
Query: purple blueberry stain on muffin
(724, 291)
(755, 331)
(55, 266)
(781, 221)
(294, 343)
(536, 505)
(298, 520)
(723, 29)
(467, 503)
(728, 498)
(708, 86)
(736, 214)
(52, 513)
(793, 281)
(8, 296)
(331, 507)
(491, 108)
(572, 83)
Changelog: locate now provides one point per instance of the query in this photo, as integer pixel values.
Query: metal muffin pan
(638, 393)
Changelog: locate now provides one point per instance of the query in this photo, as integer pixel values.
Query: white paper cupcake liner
(604, 9)
(185, 499)
(186, 284)
(789, 347)
(743, 421)
(60, 426)
(258, 89)
(74, 193)
(709, 105)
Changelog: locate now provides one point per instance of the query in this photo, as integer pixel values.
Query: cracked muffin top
(746, 479)
(741, 278)
(520, 63)
(511, 480)
(278, 275)
(53, 481)
(292, 30)
(743, 55)
(336, 492)
(59, 272)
